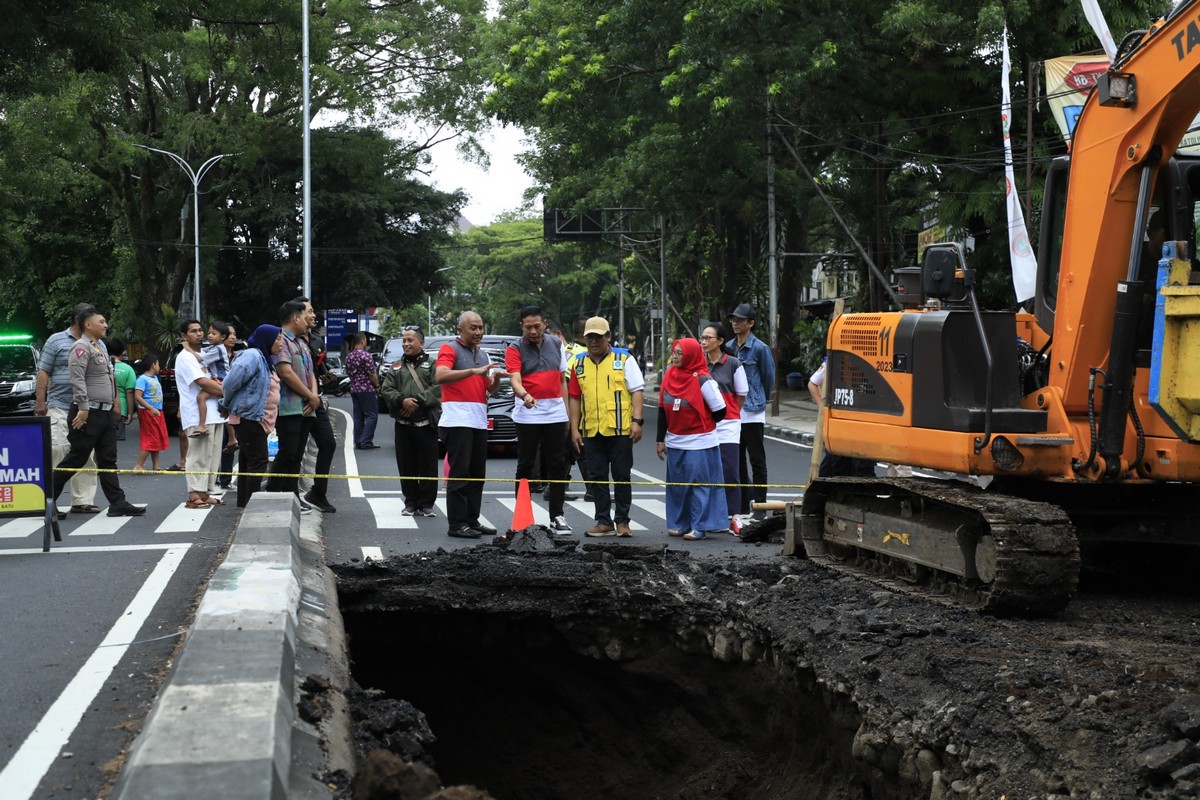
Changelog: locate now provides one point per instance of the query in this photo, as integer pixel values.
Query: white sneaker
(559, 525)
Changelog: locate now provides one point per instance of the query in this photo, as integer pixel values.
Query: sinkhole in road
(532, 703)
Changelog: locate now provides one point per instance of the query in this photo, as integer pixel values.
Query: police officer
(93, 415)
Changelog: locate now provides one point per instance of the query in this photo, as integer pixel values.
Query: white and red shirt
(691, 428)
(464, 403)
(541, 369)
(731, 378)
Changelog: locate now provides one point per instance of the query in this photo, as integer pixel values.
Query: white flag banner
(1091, 10)
(1024, 262)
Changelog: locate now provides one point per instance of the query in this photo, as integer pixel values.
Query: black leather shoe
(483, 530)
(366, 447)
(463, 532)
(125, 509)
(319, 503)
(566, 497)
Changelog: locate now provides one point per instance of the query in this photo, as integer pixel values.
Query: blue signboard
(26, 477)
(339, 322)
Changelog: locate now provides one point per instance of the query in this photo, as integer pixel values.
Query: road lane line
(441, 506)
(801, 445)
(101, 525)
(21, 527)
(21, 776)
(589, 511)
(541, 516)
(373, 553)
(356, 485)
(88, 549)
(183, 520)
(387, 513)
(638, 473)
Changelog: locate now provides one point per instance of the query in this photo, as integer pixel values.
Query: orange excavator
(1074, 428)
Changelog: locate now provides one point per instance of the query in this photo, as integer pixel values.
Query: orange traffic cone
(523, 513)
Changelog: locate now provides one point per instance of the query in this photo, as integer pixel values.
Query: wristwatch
(638, 421)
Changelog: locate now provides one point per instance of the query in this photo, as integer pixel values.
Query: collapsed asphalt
(624, 670)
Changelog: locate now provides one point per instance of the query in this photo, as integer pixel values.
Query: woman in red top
(689, 407)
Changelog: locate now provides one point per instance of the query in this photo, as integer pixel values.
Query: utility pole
(306, 235)
(772, 263)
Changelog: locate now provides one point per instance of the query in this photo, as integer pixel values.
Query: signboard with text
(25, 478)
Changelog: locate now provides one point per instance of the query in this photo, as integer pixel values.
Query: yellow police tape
(332, 476)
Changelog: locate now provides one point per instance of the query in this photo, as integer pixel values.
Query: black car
(18, 376)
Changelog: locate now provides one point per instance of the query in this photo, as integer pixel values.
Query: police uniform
(93, 388)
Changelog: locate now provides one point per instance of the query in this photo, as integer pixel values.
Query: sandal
(194, 503)
(229, 448)
(676, 533)
(214, 501)
(198, 435)
(85, 509)
(693, 536)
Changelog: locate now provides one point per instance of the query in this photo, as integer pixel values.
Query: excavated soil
(630, 671)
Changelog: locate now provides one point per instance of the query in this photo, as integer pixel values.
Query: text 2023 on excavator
(1086, 413)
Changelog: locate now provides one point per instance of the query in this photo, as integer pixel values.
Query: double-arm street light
(196, 175)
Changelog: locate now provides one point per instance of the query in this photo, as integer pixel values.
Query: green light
(15, 337)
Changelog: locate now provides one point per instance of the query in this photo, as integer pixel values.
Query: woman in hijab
(251, 396)
(689, 407)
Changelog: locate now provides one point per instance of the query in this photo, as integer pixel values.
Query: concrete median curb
(225, 721)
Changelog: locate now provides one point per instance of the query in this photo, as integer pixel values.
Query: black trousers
(99, 435)
(417, 457)
(753, 449)
(293, 431)
(252, 458)
(226, 465)
(550, 440)
(603, 453)
(322, 436)
(467, 450)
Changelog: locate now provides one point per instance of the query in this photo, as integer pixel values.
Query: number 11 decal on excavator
(1084, 416)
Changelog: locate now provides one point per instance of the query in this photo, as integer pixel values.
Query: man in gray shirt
(54, 400)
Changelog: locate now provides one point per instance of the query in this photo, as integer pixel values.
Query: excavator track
(969, 548)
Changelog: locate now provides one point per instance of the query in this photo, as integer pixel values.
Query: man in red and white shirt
(467, 376)
(536, 367)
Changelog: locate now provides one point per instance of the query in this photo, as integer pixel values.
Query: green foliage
(810, 344)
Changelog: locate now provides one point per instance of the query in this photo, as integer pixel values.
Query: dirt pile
(626, 670)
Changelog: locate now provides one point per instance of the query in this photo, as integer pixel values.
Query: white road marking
(183, 520)
(639, 474)
(441, 506)
(114, 548)
(589, 511)
(21, 776)
(801, 445)
(356, 484)
(21, 527)
(373, 553)
(387, 513)
(541, 516)
(656, 507)
(101, 525)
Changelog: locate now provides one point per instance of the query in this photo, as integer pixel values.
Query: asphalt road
(89, 629)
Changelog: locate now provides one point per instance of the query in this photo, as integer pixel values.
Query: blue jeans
(366, 415)
(698, 507)
(615, 452)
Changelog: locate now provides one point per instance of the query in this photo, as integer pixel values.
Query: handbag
(435, 414)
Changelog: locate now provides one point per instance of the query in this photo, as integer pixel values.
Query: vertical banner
(1024, 263)
(1091, 10)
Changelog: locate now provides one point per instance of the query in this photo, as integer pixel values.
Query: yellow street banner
(1069, 80)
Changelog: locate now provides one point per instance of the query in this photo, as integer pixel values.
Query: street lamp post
(196, 175)
(429, 305)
